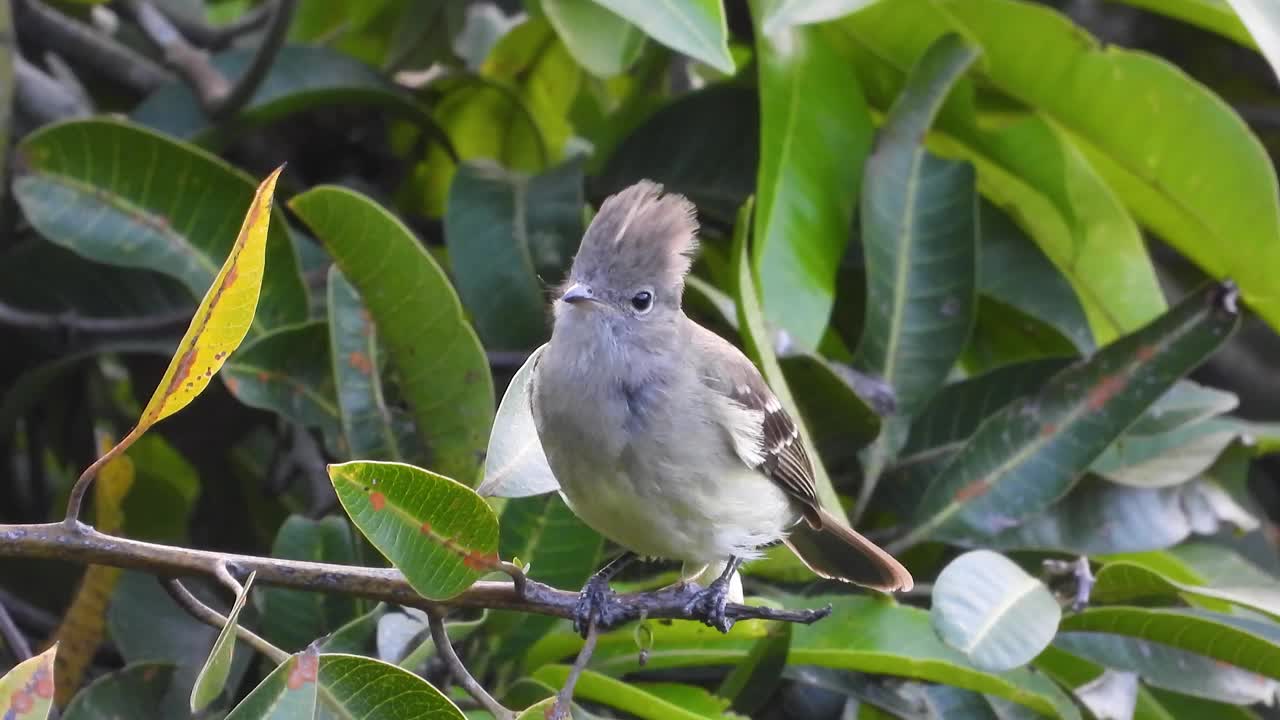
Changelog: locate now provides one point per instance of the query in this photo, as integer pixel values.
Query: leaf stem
(13, 637)
(564, 698)
(440, 637)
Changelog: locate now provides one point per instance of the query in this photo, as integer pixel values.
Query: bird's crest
(640, 235)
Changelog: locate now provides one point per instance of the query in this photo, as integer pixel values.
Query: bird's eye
(642, 301)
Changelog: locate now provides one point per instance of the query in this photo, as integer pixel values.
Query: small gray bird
(663, 436)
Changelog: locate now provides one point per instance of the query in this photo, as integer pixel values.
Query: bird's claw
(596, 601)
(709, 605)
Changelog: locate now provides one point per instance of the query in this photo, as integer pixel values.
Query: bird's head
(629, 271)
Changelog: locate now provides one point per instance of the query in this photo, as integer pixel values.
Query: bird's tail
(833, 550)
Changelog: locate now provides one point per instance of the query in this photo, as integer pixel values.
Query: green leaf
(674, 645)
(1168, 667)
(1263, 21)
(292, 619)
(1185, 706)
(122, 195)
(1169, 458)
(1212, 15)
(599, 40)
(538, 711)
(515, 464)
(751, 683)
(1155, 575)
(373, 428)
(780, 14)
(1186, 402)
(443, 371)
(436, 531)
(515, 112)
(880, 637)
(212, 679)
(287, 371)
(1031, 452)
(1179, 156)
(1017, 273)
(758, 343)
(991, 610)
(1080, 674)
(133, 692)
(920, 235)
(343, 686)
(696, 28)
(332, 79)
(290, 691)
(26, 691)
(509, 234)
(623, 696)
(703, 145)
(1098, 517)
(809, 174)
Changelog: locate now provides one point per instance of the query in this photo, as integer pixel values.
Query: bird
(663, 436)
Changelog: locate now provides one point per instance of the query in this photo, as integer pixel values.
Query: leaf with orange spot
(1028, 454)
(438, 532)
(26, 692)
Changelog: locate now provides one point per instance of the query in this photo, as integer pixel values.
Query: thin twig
(564, 698)
(71, 320)
(41, 98)
(209, 616)
(228, 581)
(13, 637)
(38, 619)
(89, 47)
(440, 637)
(217, 37)
(82, 544)
(190, 62)
(272, 40)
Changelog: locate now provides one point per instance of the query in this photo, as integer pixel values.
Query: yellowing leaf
(223, 317)
(26, 693)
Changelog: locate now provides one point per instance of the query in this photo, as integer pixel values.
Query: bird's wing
(762, 431)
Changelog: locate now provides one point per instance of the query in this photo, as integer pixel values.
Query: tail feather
(833, 550)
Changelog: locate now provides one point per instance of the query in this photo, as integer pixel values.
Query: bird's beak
(578, 293)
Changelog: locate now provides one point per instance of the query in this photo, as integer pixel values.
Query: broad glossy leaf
(779, 14)
(1005, 335)
(1169, 458)
(696, 28)
(674, 645)
(538, 711)
(287, 371)
(991, 610)
(1185, 403)
(1147, 576)
(372, 427)
(1111, 695)
(212, 679)
(123, 195)
(601, 41)
(1016, 272)
(437, 531)
(133, 692)
(759, 345)
(1212, 15)
(331, 79)
(514, 112)
(515, 465)
(1185, 706)
(691, 698)
(1162, 666)
(1031, 452)
(703, 145)
(292, 619)
(1221, 565)
(1099, 517)
(1180, 157)
(349, 686)
(1263, 21)
(920, 237)
(751, 682)
(26, 691)
(629, 698)
(443, 371)
(290, 692)
(510, 235)
(809, 175)
(1077, 673)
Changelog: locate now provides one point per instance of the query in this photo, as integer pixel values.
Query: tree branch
(272, 40)
(209, 616)
(13, 637)
(82, 544)
(41, 98)
(440, 637)
(190, 62)
(564, 698)
(71, 320)
(90, 47)
(217, 37)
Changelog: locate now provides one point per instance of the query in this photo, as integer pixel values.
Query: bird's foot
(598, 602)
(709, 604)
